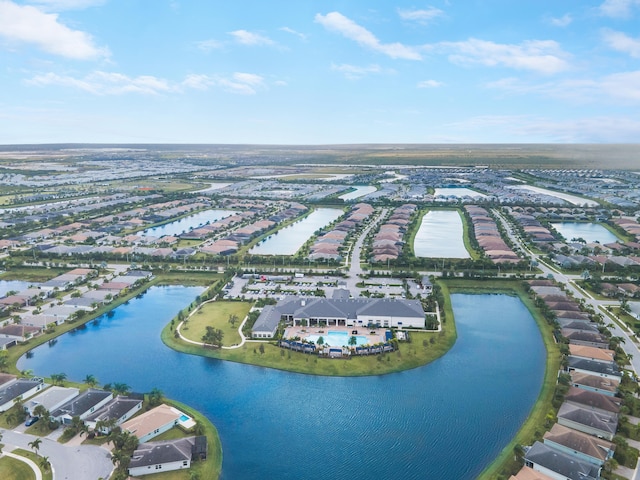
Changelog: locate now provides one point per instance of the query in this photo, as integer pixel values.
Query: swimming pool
(184, 418)
(337, 339)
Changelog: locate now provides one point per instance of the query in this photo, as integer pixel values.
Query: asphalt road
(84, 462)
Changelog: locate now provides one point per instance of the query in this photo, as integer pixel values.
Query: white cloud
(421, 16)
(29, 25)
(240, 83)
(429, 84)
(107, 83)
(110, 83)
(623, 87)
(245, 37)
(336, 22)
(542, 56)
(618, 8)
(302, 36)
(208, 45)
(563, 21)
(60, 5)
(354, 72)
(622, 42)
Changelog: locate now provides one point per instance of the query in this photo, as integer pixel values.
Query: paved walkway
(34, 467)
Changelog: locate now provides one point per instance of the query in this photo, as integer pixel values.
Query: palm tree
(45, 464)
(91, 380)
(58, 378)
(120, 389)
(155, 397)
(35, 445)
(353, 341)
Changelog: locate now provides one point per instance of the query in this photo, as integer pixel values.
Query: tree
(155, 397)
(353, 341)
(35, 445)
(45, 464)
(91, 380)
(320, 341)
(4, 355)
(120, 389)
(58, 378)
(261, 348)
(213, 336)
(233, 318)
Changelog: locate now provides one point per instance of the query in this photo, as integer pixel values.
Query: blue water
(446, 420)
(589, 232)
(185, 224)
(337, 339)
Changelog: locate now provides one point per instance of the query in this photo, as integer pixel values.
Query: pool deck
(302, 332)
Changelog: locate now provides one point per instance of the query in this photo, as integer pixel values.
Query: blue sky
(319, 72)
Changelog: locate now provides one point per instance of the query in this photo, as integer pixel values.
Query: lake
(13, 286)
(590, 232)
(289, 239)
(440, 236)
(458, 192)
(185, 224)
(447, 420)
(360, 191)
(572, 199)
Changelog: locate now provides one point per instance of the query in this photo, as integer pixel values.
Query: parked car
(31, 420)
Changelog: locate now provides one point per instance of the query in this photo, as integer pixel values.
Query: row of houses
(387, 244)
(579, 444)
(488, 236)
(327, 245)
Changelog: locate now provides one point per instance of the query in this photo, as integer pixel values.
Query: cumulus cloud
(244, 37)
(29, 25)
(338, 23)
(618, 8)
(429, 84)
(622, 42)
(541, 56)
(60, 5)
(563, 21)
(424, 16)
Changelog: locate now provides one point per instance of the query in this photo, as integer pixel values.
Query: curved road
(84, 462)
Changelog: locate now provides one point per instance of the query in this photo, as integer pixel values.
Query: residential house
(559, 465)
(119, 409)
(156, 457)
(23, 388)
(81, 406)
(598, 402)
(588, 421)
(581, 445)
(152, 423)
(594, 383)
(51, 399)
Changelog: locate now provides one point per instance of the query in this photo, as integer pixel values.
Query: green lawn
(216, 314)
(38, 274)
(35, 459)
(12, 469)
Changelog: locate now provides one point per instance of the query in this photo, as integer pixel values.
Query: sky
(319, 72)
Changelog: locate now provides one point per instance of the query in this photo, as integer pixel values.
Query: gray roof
(605, 422)
(115, 409)
(17, 388)
(578, 441)
(82, 403)
(268, 320)
(155, 453)
(593, 366)
(589, 399)
(561, 463)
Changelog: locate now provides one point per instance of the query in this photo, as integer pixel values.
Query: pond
(13, 286)
(572, 199)
(289, 240)
(457, 192)
(589, 232)
(186, 223)
(440, 236)
(446, 420)
(360, 191)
